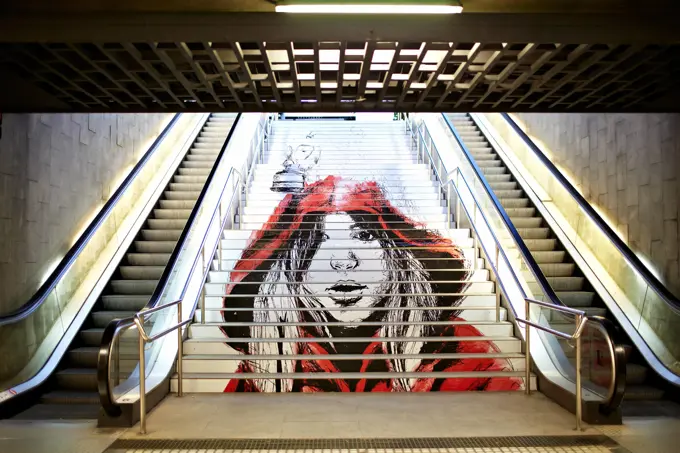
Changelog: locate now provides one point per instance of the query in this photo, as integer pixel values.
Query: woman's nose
(350, 262)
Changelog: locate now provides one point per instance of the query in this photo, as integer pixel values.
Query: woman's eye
(364, 236)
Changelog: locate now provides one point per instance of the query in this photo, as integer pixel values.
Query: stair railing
(506, 275)
(112, 394)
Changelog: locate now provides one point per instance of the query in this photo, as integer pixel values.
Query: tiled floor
(269, 422)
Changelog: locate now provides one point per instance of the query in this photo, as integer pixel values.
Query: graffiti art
(337, 260)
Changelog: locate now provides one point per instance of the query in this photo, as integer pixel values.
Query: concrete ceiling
(238, 55)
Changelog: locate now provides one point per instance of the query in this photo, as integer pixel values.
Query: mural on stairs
(336, 259)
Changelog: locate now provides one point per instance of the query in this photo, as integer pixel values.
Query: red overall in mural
(390, 279)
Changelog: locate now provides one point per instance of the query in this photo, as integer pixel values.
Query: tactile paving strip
(594, 443)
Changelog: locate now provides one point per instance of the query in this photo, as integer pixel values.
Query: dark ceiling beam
(479, 27)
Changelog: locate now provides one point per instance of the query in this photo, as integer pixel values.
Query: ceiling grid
(369, 75)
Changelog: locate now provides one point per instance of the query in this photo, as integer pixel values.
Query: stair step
(210, 366)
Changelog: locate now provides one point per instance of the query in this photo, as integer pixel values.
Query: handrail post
(527, 346)
(142, 384)
(180, 367)
(219, 238)
(448, 205)
(497, 285)
(203, 292)
(458, 200)
(579, 390)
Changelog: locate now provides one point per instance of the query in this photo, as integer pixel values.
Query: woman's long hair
(271, 273)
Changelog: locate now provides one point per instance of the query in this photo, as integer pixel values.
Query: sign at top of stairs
(343, 276)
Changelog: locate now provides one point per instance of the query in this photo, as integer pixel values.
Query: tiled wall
(628, 167)
(56, 170)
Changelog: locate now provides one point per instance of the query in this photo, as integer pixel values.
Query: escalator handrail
(617, 388)
(112, 329)
(652, 281)
(74, 252)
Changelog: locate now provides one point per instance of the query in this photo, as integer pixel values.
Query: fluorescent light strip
(370, 9)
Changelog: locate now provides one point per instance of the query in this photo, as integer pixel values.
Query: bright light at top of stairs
(372, 7)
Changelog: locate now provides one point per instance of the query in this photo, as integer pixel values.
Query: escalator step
(161, 235)
(148, 259)
(83, 357)
(141, 272)
(643, 392)
(124, 303)
(60, 412)
(636, 374)
(543, 245)
(549, 257)
(527, 222)
(134, 287)
(91, 337)
(70, 397)
(578, 299)
(77, 379)
(103, 318)
(533, 233)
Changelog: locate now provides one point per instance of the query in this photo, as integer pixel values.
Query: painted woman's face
(348, 269)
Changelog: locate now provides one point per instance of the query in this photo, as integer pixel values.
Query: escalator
(71, 390)
(571, 285)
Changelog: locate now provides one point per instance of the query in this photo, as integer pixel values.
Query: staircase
(333, 289)
(567, 280)
(73, 388)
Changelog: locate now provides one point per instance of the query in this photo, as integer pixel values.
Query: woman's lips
(346, 286)
(344, 292)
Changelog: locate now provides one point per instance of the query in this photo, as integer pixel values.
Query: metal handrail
(617, 386)
(580, 322)
(143, 340)
(659, 288)
(67, 261)
(116, 327)
(104, 354)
